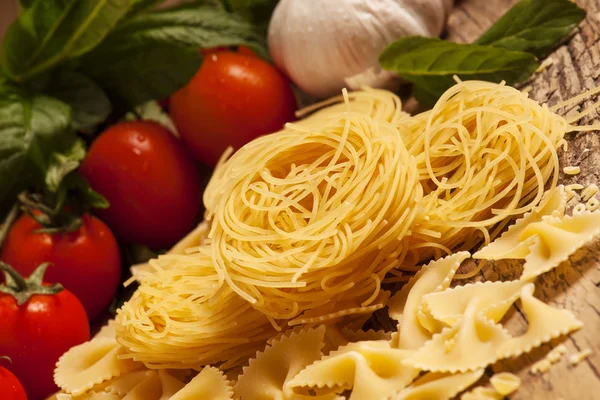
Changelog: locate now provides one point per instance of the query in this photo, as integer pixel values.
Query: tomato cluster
(150, 178)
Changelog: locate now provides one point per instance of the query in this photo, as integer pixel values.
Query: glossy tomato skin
(10, 386)
(150, 181)
(35, 334)
(231, 100)
(86, 261)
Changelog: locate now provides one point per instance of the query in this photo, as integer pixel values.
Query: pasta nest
(183, 315)
(484, 154)
(310, 216)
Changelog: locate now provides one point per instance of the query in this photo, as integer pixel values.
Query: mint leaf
(535, 26)
(133, 75)
(88, 101)
(32, 127)
(431, 63)
(194, 27)
(52, 31)
(62, 163)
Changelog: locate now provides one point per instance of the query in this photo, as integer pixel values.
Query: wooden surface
(574, 285)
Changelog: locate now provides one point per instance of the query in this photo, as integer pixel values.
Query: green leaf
(195, 27)
(62, 163)
(138, 6)
(32, 127)
(431, 63)
(148, 71)
(88, 101)
(152, 111)
(257, 11)
(535, 26)
(76, 191)
(52, 31)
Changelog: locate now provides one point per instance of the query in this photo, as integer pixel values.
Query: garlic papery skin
(326, 45)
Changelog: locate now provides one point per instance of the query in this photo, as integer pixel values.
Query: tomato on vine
(86, 260)
(39, 323)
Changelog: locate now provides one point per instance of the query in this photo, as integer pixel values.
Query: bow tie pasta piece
(472, 343)
(404, 306)
(210, 383)
(372, 370)
(545, 324)
(89, 364)
(495, 298)
(511, 244)
(557, 239)
(266, 375)
(439, 386)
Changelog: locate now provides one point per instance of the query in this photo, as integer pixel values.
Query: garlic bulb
(326, 45)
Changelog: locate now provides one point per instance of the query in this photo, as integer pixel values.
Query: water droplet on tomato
(140, 137)
(137, 151)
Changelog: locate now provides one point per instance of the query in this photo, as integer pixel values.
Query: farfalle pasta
(268, 374)
(439, 386)
(404, 306)
(370, 369)
(89, 364)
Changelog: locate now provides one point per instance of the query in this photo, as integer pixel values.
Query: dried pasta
(316, 221)
(267, 375)
(372, 369)
(404, 306)
(91, 363)
(505, 383)
(187, 317)
(439, 386)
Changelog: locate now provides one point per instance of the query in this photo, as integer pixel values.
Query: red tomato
(149, 180)
(10, 387)
(231, 100)
(35, 334)
(87, 261)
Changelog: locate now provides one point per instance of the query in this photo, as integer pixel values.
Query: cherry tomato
(149, 180)
(10, 386)
(86, 261)
(231, 100)
(37, 332)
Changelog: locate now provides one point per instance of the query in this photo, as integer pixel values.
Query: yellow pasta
(267, 375)
(439, 386)
(485, 153)
(505, 383)
(187, 317)
(317, 220)
(373, 370)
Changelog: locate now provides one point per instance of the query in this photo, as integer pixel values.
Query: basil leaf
(63, 163)
(535, 26)
(32, 127)
(88, 101)
(431, 63)
(76, 191)
(257, 11)
(152, 111)
(52, 31)
(197, 27)
(134, 75)
(138, 6)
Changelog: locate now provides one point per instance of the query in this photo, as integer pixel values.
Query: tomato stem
(23, 288)
(7, 223)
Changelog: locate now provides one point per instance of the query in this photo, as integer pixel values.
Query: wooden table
(574, 285)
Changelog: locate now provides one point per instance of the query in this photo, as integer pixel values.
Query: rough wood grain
(574, 285)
